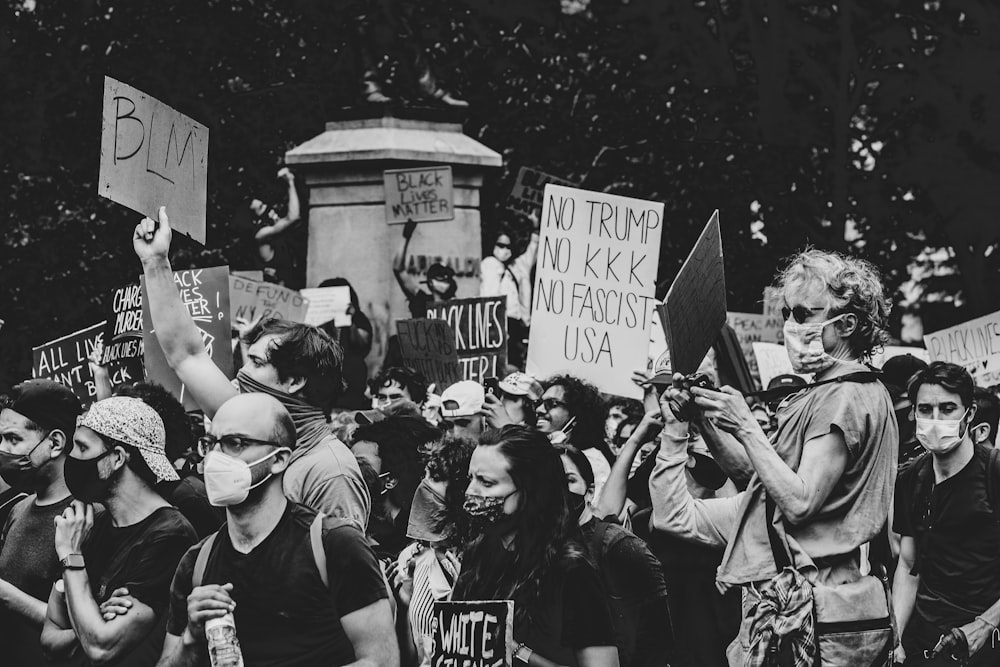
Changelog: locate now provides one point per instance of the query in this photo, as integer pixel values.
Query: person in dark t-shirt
(36, 430)
(261, 566)
(440, 280)
(118, 456)
(949, 565)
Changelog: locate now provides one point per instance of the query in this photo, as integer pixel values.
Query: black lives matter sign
(480, 327)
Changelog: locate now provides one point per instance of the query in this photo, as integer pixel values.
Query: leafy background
(865, 127)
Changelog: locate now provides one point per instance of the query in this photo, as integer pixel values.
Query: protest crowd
(304, 511)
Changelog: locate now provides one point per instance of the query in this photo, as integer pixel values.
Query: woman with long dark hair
(525, 551)
(356, 341)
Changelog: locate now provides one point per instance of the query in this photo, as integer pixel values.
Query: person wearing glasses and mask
(502, 274)
(262, 566)
(36, 434)
(118, 457)
(949, 559)
(573, 412)
(822, 485)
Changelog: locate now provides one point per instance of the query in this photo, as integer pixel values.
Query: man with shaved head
(266, 566)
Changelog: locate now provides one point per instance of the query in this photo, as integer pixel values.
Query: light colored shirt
(325, 476)
(512, 281)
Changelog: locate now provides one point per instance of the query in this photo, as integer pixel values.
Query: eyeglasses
(550, 404)
(799, 313)
(233, 445)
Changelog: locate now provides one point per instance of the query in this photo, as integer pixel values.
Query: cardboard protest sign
(754, 327)
(249, 275)
(473, 634)
(424, 194)
(428, 346)
(529, 189)
(64, 360)
(695, 307)
(205, 294)
(123, 348)
(280, 302)
(153, 156)
(328, 303)
(249, 299)
(974, 345)
(594, 287)
(480, 327)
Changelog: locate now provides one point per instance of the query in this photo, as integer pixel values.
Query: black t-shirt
(190, 497)
(958, 543)
(418, 302)
(141, 557)
(574, 614)
(636, 589)
(284, 615)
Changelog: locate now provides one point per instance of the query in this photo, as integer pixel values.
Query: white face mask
(228, 479)
(502, 254)
(804, 345)
(940, 436)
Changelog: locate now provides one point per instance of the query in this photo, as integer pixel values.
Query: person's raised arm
(372, 635)
(526, 260)
(407, 283)
(175, 329)
(799, 494)
(615, 491)
(294, 212)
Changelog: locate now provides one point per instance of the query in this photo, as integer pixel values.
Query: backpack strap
(992, 479)
(319, 553)
(201, 561)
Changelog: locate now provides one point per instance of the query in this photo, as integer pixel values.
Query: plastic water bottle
(223, 645)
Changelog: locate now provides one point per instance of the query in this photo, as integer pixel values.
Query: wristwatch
(73, 562)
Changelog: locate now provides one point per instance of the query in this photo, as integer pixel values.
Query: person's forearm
(992, 615)
(783, 484)
(399, 259)
(102, 383)
(16, 601)
(676, 512)
(175, 330)
(293, 203)
(728, 453)
(904, 595)
(91, 630)
(616, 487)
(186, 652)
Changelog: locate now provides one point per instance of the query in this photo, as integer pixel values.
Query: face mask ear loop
(568, 426)
(264, 458)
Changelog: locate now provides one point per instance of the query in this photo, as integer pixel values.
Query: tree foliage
(805, 121)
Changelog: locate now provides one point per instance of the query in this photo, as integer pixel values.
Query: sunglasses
(233, 445)
(502, 245)
(550, 404)
(799, 313)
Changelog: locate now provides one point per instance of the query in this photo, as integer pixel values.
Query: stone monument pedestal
(348, 233)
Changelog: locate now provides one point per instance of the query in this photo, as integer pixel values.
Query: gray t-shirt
(861, 499)
(325, 476)
(28, 561)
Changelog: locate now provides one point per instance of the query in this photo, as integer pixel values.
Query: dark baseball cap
(782, 381)
(897, 372)
(47, 403)
(439, 271)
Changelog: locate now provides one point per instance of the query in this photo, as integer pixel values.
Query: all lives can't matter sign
(424, 194)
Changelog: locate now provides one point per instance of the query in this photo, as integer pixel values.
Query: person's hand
(117, 605)
(648, 428)
(495, 413)
(286, 174)
(408, 229)
(72, 527)
(675, 434)
(726, 406)
(898, 655)
(151, 240)
(976, 633)
(206, 603)
(401, 582)
(430, 410)
(242, 325)
(94, 360)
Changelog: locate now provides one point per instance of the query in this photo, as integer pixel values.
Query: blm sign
(480, 334)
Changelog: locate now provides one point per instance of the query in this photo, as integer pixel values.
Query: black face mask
(18, 470)
(83, 478)
(577, 504)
